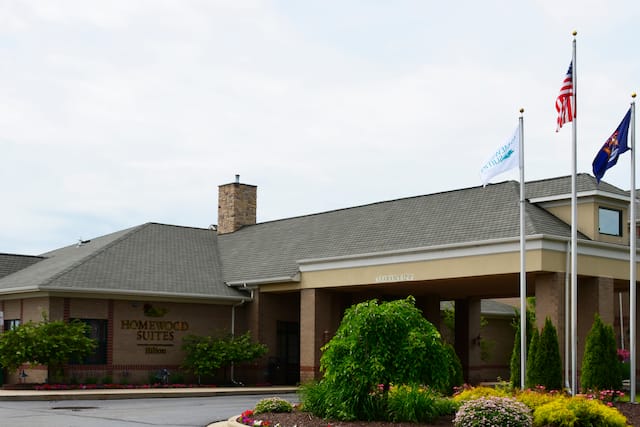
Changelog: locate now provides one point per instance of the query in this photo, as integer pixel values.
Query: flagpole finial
(521, 110)
(575, 33)
(633, 95)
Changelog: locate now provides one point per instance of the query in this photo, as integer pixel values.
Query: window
(11, 324)
(610, 221)
(97, 331)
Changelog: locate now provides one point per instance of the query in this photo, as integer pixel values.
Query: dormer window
(610, 221)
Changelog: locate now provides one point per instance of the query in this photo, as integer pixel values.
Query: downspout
(233, 328)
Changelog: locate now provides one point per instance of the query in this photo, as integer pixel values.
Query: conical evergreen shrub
(514, 364)
(532, 377)
(548, 359)
(601, 368)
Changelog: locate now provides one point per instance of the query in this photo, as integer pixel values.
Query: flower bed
(46, 387)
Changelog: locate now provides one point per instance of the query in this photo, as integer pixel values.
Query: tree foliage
(50, 343)
(374, 346)
(206, 354)
(515, 354)
(548, 358)
(601, 368)
(532, 376)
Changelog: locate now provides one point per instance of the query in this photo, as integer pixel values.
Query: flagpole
(574, 229)
(632, 255)
(523, 271)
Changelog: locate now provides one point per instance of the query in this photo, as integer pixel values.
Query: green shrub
(152, 377)
(455, 368)
(625, 370)
(532, 377)
(377, 345)
(176, 378)
(204, 355)
(417, 404)
(600, 364)
(53, 343)
(534, 399)
(548, 359)
(514, 363)
(314, 396)
(578, 411)
(554, 413)
(471, 393)
(493, 411)
(272, 404)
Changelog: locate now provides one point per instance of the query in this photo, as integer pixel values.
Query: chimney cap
(237, 178)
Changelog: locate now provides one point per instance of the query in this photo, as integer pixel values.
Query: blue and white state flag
(504, 158)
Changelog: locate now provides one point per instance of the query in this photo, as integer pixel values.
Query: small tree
(50, 343)
(532, 377)
(600, 365)
(515, 354)
(206, 354)
(374, 346)
(548, 361)
(455, 367)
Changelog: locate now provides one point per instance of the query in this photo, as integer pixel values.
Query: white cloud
(116, 113)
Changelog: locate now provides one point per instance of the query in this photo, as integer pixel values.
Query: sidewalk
(106, 394)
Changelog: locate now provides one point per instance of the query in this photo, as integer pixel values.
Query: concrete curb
(231, 422)
(35, 395)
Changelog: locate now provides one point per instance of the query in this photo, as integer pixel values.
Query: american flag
(564, 102)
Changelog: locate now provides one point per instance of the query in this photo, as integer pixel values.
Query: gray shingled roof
(10, 263)
(170, 260)
(153, 259)
(271, 249)
(562, 186)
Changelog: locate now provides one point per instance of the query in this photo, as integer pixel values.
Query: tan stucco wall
(588, 219)
(586, 224)
(600, 267)
(413, 271)
(449, 268)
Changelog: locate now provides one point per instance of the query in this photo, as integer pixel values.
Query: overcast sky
(116, 113)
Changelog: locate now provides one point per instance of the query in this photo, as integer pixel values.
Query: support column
(315, 330)
(550, 302)
(467, 338)
(430, 307)
(595, 295)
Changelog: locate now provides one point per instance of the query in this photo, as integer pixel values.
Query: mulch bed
(304, 419)
(631, 411)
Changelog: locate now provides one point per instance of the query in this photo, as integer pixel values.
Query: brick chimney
(236, 206)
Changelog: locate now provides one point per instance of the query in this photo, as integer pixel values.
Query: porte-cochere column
(467, 337)
(315, 322)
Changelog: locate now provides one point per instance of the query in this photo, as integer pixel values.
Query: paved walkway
(143, 393)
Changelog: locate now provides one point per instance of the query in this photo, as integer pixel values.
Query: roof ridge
(91, 255)
(176, 225)
(22, 255)
(381, 202)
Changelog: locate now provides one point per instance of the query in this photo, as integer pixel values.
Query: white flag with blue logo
(504, 158)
